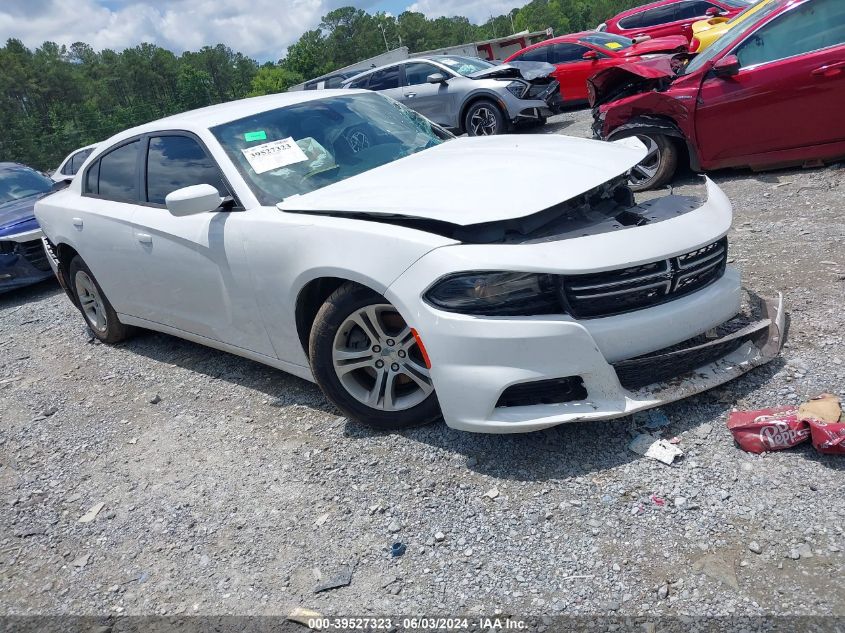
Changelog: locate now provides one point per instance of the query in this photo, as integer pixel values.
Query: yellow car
(705, 32)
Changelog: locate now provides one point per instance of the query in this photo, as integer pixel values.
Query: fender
(656, 125)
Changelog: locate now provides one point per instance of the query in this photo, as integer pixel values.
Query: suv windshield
(464, 65)
(609, 41)
(730, 38)
(18, 182)
(300, 148)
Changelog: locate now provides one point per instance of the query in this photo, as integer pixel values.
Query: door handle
(77, 222)
(829, 70)
(411, 95)
(144, 238)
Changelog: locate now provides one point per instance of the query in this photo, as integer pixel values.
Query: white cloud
(478, 11)
(260, 28)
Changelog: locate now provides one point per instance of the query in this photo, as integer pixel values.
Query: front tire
(659, 165)
(366, 360)
(485, 118)
(98, 313)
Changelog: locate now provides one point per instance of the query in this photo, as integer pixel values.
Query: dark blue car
(22, 258)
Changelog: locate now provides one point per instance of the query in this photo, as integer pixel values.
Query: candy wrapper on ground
(768, 429)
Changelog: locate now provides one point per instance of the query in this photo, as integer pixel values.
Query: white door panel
(102, 230)
(196, 276)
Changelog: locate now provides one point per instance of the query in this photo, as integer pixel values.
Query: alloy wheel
(647, 168)
(90, 301)
(483, 122)
(378, 362)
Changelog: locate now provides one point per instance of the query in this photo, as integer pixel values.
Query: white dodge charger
(505, 283)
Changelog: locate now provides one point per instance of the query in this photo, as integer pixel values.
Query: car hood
(669, 44)
(515, 70)
(644, 75)
(18, 216)
(476, 180)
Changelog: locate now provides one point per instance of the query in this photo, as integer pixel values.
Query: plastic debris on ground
(820, 419)
(397, 549)
(652, 419)
(655, 448)
(306, 617)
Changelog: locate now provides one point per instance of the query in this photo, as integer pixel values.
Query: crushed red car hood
(645, 74)
(669, 44)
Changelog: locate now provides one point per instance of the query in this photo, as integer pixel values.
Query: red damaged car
(670, 17)
(767, 94)
(580, 55)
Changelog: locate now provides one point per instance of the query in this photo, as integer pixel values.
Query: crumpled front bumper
(22, 262)
(469, 390)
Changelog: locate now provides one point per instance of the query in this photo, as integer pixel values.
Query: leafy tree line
(57, 98)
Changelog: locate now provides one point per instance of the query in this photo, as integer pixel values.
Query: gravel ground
(229, 487)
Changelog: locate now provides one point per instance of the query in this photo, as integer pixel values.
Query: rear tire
(485, 118)
(658, 167)
(98, 313)
(367, 362)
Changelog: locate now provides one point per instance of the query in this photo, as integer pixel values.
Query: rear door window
(539, 54)
(384, 79)
(118, 174)
(565, 53)
(657, 16)
(174, 162)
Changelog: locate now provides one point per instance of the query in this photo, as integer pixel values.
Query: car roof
(210, 116)
(644, 7)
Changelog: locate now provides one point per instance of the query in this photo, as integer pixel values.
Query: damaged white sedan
(506, 283)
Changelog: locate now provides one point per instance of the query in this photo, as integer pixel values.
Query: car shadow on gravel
(21, 296)
(280, 388)
(582, 448)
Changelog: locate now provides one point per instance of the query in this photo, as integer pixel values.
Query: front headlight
(517, 89)
(496, 294)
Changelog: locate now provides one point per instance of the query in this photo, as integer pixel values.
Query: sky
(262, 29)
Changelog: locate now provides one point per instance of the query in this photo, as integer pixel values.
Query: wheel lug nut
(379, 364)
(395, 366)
(390, 342)
(401, 353)
(376, 348)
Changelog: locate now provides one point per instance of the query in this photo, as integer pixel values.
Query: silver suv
(468, 94)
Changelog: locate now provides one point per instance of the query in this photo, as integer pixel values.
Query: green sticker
(261, 135)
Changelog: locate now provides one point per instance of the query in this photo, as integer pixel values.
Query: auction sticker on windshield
(273, 155)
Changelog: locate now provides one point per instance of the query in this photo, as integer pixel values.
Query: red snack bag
(828, 437)
(768, 429)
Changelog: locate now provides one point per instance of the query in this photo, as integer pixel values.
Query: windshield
(303, 147)
(738, 4)
(729, 39)
(609, 41)
(18, 182)
(464, 65)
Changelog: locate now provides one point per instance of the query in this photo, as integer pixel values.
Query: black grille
(34, 253)
(626, 289)
(553, 391)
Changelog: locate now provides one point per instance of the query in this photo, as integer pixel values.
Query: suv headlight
(517, 89)
(496, 294)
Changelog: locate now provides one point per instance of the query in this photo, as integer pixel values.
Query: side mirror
(713, 12)
(727, 66)
(192, 200)
(590, 56)
(436, 78)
